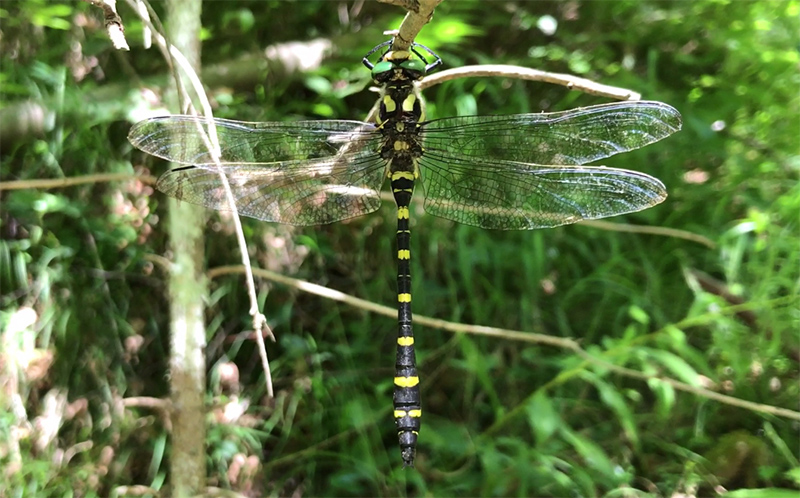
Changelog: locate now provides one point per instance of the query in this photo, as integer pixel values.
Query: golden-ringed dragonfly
(511, 172)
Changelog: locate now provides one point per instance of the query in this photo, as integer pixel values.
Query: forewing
(304, 192)
(184, 139)
(517, 196)
(571, 137)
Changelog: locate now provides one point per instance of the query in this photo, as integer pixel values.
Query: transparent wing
(518, 196)
(571, 137)
(183, 139)
(303, 173)
(306, 192)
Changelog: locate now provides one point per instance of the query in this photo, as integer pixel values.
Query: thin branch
(48, 183)
(136, 490)
(538, 338)
(210, 136)
(159, 404)
(420, 13)
(147, 34)
(650, 230)
(526, 73)
(114, 27)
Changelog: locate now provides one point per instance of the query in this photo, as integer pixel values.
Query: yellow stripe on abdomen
(406, 381)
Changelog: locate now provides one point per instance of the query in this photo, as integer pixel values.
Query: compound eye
(414, 65)
(381, 69)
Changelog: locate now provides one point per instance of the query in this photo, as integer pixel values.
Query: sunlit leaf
(676, 365)
(542, 416)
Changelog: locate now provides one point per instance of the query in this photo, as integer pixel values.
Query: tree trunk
(187, 291)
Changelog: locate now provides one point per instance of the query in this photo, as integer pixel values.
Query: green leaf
(56, 10)
(542, 416)
(639, 314)
(665, 394)
(613, 399)
(453, 30)
(676, 365)
(52, 16)
(594, 456)
(323, 110)
(466, 105)
(794, 475)
(763, 493)
(319, 84)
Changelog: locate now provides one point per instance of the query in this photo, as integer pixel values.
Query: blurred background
(713, 304)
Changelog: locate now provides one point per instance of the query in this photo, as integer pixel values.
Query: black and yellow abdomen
(407, 406)
(399, 115)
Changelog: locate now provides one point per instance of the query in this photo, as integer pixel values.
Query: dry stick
(144, 10)
(663, 231)
(419, 14)
(212, 143)
(538, 338)
(114, 27)
(526, 73)
(48, 183)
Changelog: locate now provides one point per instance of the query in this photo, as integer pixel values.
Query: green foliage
(502, 416)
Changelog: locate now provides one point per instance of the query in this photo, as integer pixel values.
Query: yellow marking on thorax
(406, 175)
(402, 213)
(404, 254)
(404, 297)
(408, 103)
(406, 382)
(400, 145)
(405, 341)
(400, 126)
(388, 102)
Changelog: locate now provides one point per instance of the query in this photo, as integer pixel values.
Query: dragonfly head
(400, 65)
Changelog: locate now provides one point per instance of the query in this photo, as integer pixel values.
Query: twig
(114, 27)
(136, 490)
(147, 34)
(259, 320)
(48, 183)
(419, 14)
(538, 338)
(159, 404)
(526, 73)
(663, 231)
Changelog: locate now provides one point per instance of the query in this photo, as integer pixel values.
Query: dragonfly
(503, 172)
